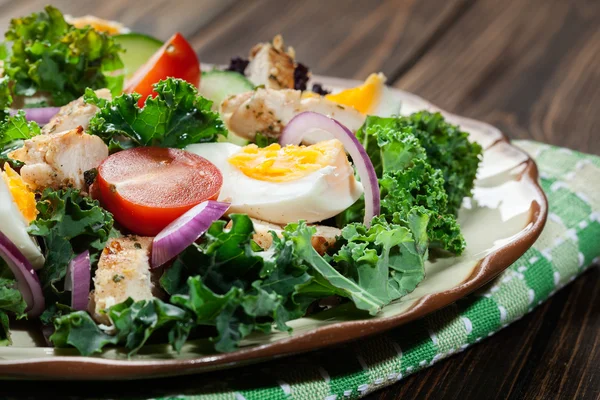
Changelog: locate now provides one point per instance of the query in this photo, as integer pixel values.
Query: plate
(504, 218)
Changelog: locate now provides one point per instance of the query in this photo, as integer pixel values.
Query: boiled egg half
(284, 184)
(373, 97)
(17, 210)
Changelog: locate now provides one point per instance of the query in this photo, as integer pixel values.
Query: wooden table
(529, 67)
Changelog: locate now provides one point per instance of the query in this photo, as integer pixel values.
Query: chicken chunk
(60, 159)
(271, 65)
(76, 113)
(123, 272)
(268, 111)
(322, 240)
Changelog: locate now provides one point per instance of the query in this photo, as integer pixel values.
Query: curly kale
(449, 150)
(231, 285)
(176, 117)
(408, 180)
(50, 56)
(68, 224)
(11, 302)
(14, 130)
(5, 96)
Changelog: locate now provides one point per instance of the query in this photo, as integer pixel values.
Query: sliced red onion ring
(27, 280)
(41, 115)
(185, 230)
(309, 121)
(77, 280)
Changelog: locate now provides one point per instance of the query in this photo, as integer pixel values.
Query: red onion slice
(309, 121)
(77, 280)
(27, 280)
(41, 115)
(185, 230)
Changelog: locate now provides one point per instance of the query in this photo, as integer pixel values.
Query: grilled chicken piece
(74, 114)
(268, 111)
(59, 159)
(123, 272)
(323, 239)
(271, 65)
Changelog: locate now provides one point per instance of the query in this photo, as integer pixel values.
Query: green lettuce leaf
(176, 117)
(68, 224)
(50, 56)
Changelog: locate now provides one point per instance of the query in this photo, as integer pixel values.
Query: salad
(145, 200)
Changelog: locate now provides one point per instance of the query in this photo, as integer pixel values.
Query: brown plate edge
(92, 368)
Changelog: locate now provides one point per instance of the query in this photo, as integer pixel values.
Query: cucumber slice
(138, 49)
(217, 85)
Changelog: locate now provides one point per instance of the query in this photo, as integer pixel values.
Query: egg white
(315, 197)
(14, 226)
(387, 105)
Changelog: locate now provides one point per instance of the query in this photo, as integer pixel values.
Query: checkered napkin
(568, 245)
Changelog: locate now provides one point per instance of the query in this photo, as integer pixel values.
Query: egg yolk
(23, 197)
(364, 97)
(283, 164)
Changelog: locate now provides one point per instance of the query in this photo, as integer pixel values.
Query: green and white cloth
(568, 245)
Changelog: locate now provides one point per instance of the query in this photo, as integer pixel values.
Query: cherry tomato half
(147, 188)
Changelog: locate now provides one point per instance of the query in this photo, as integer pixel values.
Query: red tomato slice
(147, 188)
(175, 59)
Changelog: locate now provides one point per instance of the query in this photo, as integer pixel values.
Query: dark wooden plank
(552, 353)
(348, 39)
(529, 67)
(159, 18)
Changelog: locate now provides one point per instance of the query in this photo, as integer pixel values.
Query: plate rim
(95, 368)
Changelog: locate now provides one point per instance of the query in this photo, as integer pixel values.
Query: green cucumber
(217, 85)
(138, 49)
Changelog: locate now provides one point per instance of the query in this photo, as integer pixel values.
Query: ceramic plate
(504, 218)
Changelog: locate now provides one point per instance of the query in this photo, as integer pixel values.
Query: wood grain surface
(530, 67)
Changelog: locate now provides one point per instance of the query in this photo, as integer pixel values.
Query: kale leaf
(449, 150)
(68, 224)
(11, 302)
(408, 181)
(232, 287)
(241, 289)
(13, 131)
(176, 117)
(50, 56)
(5, 96)
(225, 283)
(374, 266)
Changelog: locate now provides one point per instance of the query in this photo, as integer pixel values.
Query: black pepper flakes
(89, 176)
